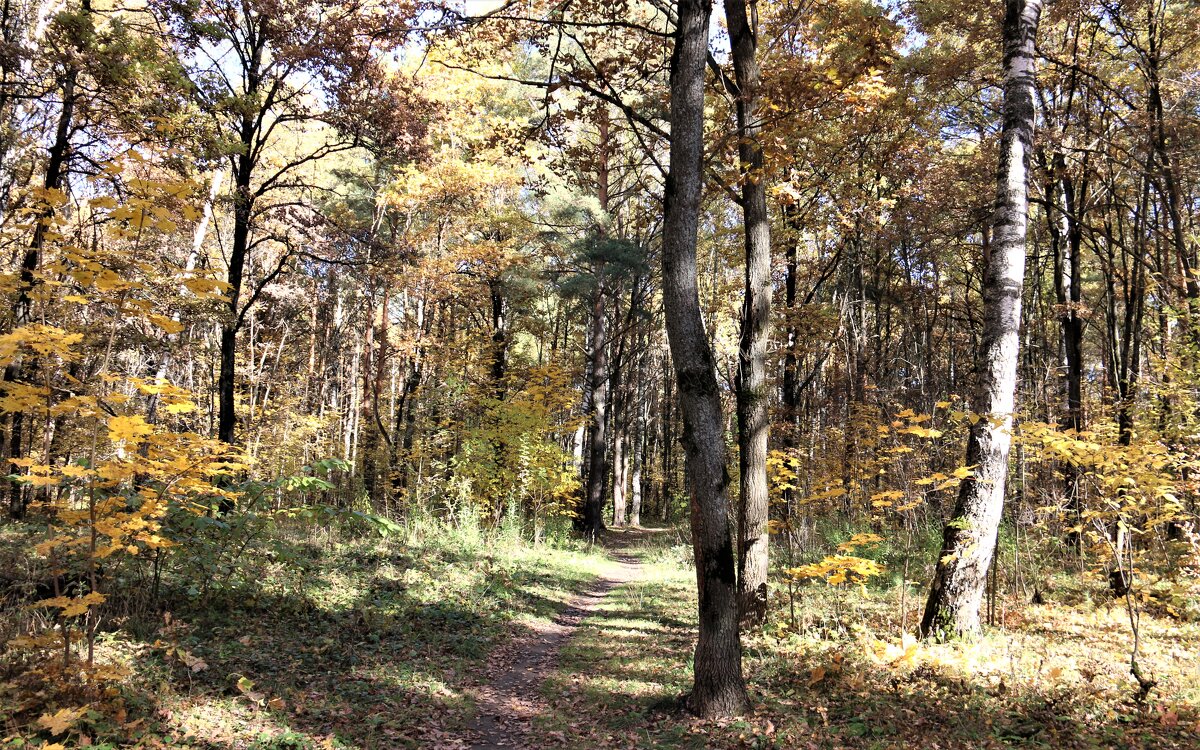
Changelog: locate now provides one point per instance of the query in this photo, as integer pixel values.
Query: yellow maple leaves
(62, 720)
(70, 606)
(41, 340)
(204, 287)
(859, 540)
(839, 569)
(170, 325)
(132, 430)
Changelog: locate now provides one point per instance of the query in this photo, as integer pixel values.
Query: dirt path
(508, 704)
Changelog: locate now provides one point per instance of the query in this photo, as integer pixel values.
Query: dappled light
(481, 375)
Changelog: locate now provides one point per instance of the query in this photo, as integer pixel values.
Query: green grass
(376, 646)
(379, 643)
(1055, 676)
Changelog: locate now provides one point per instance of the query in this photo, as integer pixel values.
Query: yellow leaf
(132, 430)
(165, 323)
(859, 540)
(108, 281)
(204, 287)
(816, 676)
(62, 720)
(181, 407)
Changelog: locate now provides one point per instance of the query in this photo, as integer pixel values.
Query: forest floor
(511, 701)
(437, 640)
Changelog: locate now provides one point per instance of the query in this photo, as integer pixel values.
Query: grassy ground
(381, 642)
(377, 649)
(1055, 676)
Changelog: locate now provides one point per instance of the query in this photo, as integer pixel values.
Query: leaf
(62, 720)
(859, 540)
(133, 430)
(72, 606)
(165, 323)
(203, 287)
(816, 676)
(191, 661)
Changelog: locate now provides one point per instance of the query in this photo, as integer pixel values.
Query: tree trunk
(718, 690)
(56, 169)
(243, 205)
(592, 521)
(970, 536)
(752, 418)
(1068, 288)
(620, 475)
(638, 427)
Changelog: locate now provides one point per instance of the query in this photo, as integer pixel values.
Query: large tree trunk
(753, 420)
(591, 521)
(718, 689)
(970, 536)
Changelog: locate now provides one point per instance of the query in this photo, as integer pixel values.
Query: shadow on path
(511, 699)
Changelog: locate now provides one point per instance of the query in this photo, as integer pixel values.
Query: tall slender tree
(257, 69)
(719, 689)
(751, 387)
(969, 539)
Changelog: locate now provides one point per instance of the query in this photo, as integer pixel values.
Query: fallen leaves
(62, 720)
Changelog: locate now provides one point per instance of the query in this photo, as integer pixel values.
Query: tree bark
(718, 689)
(969, 539)
(243, 206)
(752, 417)
(620, 477)
(638, 427)
(57, 160)
(592, 522)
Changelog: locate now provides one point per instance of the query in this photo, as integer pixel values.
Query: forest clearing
(587, 374)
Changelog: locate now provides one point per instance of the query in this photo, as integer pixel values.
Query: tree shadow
(393, 665)
(621, 687)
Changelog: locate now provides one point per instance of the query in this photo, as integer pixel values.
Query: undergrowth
(346, 639)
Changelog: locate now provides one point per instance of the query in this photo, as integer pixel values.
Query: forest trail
(511, 699)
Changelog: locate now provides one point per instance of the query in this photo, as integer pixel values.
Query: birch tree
(969, 538)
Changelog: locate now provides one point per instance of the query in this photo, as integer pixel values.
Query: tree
(751, 386)
(598, 407)
(969, 539)
(718, 689)
(259, 67)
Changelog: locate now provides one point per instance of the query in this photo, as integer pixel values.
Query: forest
(599, 374)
